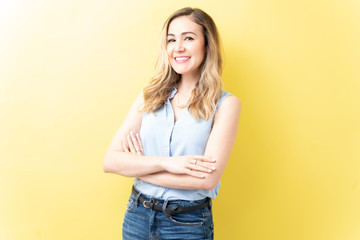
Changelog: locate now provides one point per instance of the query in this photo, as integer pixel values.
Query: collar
(172, 94)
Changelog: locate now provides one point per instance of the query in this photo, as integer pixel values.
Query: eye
(171, 40)
(189, 38)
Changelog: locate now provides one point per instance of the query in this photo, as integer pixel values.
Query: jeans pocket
(208, 225)
(131, 204)
(192, 218)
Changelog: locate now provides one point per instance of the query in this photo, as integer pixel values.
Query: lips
(181, 59)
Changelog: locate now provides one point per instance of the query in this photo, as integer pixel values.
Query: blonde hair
(207, 92)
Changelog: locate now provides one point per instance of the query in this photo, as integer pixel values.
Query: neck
(188, 82)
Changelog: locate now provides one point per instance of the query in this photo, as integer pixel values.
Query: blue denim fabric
(142, 223)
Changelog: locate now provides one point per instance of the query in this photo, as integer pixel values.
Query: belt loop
(137, 199)
(164, 208)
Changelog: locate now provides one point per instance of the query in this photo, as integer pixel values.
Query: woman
(178, 135)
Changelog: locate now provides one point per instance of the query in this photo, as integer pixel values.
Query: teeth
(182, 58)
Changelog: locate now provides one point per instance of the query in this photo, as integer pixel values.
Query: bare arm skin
(119, 161)
(219, 146)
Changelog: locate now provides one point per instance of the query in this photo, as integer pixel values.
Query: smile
(181, 59)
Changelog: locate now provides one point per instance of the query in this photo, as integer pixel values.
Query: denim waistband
(178, 202)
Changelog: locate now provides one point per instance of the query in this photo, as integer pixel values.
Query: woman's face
(185, 45)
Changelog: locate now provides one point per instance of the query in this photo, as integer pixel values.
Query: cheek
(169, 51)
(201, 52)
(169, 58)
(204, 54)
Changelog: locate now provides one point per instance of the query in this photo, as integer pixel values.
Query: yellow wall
(69, 71)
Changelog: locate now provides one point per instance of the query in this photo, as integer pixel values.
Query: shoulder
(228, 100)
(228, 115)
(231, 100)
(139, 101)
(140, 97)
(230, 106)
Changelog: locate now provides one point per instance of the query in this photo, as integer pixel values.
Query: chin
(181, 71)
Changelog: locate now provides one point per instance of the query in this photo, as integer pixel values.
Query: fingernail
(214, 160)
(213, 168)
(131, 132)
(209, 170)
(202, 176)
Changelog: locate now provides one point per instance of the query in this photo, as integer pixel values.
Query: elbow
(106, 166)
(109, 164)
(106, 169)
(209, 184)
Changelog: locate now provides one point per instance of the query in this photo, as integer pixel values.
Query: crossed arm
(124, 155)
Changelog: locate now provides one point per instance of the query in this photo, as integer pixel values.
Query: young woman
(178, 135)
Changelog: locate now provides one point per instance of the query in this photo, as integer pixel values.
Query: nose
(179, 46)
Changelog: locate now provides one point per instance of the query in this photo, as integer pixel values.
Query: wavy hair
(207, 91)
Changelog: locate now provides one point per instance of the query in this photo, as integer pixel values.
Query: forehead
(184, 24)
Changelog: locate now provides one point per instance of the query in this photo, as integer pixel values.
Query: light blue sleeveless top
(161, 136)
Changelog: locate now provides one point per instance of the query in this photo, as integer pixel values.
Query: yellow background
(69, 71)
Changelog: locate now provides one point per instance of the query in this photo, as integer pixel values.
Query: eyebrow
(183, 33)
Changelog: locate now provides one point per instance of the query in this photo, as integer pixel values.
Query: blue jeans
(142, 223)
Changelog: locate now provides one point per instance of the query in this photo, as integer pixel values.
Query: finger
(139, 141)
(197, 163)
(196, 174)
(211, 166)
(204, 158)
(134, 141)
(125, 147)
(139, 149)
(206, 165)
(131, 145)
(199, 168)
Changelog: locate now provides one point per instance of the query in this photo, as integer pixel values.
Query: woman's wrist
(161, 162)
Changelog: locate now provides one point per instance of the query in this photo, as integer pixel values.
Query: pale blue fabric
(161, 136)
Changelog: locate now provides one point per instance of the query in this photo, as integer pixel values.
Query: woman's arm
(219, 146)
(223, 136)
(118, 161)
(179, 181)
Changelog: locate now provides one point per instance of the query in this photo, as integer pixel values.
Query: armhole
(223, 96)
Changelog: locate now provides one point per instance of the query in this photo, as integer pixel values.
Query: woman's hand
(132, 144)
(193, 165)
